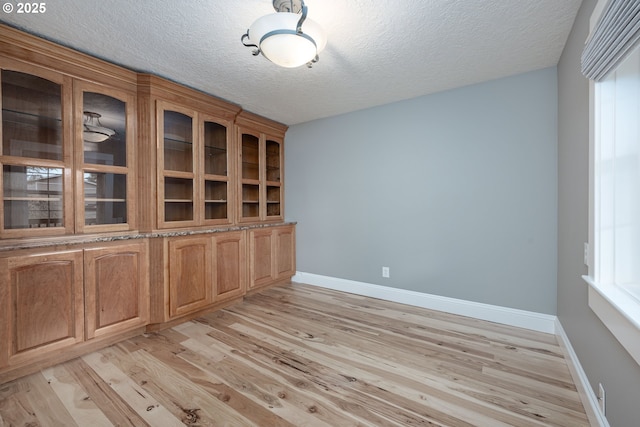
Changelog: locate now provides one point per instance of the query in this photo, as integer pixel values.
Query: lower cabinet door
(285, 254)
(116, 288)
(229, 265)
(41, 305)
(261, 261)
(189, 274)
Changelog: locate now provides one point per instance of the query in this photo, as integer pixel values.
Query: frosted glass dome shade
(277, 39)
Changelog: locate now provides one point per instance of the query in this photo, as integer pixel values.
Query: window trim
(619, 311)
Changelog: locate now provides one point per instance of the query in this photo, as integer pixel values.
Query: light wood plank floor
(304, 356)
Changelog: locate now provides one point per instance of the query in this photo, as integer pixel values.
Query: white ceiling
(378, 51)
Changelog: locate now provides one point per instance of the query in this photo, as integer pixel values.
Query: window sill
(619, 312)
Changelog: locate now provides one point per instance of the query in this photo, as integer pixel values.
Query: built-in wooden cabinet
(261, 169)
(229, 266)
(37, 191)
(57, 130)
(202, 270)
(116, 280)
(129, 202)
(189, 278)
(41, 304)
(55, 299)
(105, 158)
(191, 137)
(271, 255)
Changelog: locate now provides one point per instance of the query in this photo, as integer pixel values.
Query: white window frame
(617, 309)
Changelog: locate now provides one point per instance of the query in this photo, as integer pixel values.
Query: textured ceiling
(377, 52)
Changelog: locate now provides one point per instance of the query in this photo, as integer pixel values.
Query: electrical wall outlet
(385, 272)
(601, 400)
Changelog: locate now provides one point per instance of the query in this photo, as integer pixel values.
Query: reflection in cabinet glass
(178, 142)
(112, 112)
(105, 198)
(31, 117)
(33, 197)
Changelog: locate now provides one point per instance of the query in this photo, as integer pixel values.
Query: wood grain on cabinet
(261, 267)
(41, 298)
(229, 265)
(189, 274)
(271, 255)
(285, 253)
(116, 288)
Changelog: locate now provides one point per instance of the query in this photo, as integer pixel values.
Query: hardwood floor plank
(74, 398)
(304, 356)
(103, 396)
(145, 405)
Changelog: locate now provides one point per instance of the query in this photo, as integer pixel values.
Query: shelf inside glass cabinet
(105, 198)
(33, 197)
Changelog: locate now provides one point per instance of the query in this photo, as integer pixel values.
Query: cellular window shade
(614, 36)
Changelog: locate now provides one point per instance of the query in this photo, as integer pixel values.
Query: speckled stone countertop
(43, 242)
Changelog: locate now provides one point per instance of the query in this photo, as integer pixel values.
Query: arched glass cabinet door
(105, 132)
(177, 187)
(216, 157)
(35, 156)
(250, 200)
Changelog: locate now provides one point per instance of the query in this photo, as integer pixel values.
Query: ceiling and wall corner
(377, 52)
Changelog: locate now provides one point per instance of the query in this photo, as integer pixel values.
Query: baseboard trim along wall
(493, 313)
(588, 396)
(507, 316)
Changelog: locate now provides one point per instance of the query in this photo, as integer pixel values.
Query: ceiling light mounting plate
(293, 6)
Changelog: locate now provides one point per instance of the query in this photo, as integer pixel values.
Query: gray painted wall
(602, 357)
(456, 192)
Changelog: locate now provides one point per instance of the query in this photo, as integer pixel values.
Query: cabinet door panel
(42, 304)
(116, 288)
(229, 265)
(189, 274)
(261, 258)
(285, 252)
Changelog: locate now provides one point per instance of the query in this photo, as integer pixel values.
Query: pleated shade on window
(614, 36)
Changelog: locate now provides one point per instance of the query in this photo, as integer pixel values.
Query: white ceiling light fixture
(92, 129)
(281, 38)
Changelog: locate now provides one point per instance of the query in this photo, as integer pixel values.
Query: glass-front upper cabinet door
(273, 181)
(176, 186)
(250, 182)
(216, 156)
(35, 153)
(106, 126)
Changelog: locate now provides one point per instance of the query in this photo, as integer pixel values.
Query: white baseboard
(493, 313)
(589, 399)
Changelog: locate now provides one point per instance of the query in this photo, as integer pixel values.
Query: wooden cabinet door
(41, 305)
(189, 274)
(261, 260)
(116, 288)
(229, 265)
(285, 253)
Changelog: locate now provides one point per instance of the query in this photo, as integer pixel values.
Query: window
(612, 61)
